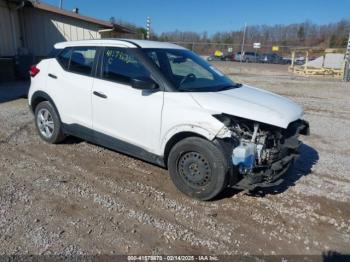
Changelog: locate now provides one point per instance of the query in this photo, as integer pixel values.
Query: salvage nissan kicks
(164, 104)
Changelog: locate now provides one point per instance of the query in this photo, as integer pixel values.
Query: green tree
(333, 41)
(344, 42)
(301, 33)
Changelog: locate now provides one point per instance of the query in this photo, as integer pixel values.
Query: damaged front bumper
(269, 178)
(274, 174)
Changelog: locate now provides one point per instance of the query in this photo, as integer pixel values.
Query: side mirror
(144, 83)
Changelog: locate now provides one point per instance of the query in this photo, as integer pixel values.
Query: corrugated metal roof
(56, 10)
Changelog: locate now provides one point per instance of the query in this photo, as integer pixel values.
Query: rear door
(70, 82)
(122, 114)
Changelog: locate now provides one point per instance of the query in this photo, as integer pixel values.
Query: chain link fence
(208, 49)
(328, 61)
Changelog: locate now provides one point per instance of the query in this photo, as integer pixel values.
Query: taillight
(34, 70)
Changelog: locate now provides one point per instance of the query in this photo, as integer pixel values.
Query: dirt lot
(79, 198)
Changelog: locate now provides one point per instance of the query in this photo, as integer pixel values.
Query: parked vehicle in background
(287, 60)
(223, 57)
(164, 104)
(215, 58)
(300, 61)
(229, 57)
(272, 59)
(249, 57)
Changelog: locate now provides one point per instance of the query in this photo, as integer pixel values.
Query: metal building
(28, 30)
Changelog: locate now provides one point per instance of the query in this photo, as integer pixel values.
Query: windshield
(188, 72)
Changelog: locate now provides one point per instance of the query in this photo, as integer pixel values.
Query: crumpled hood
(251, 103)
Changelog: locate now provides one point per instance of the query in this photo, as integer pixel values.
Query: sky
(211, 16)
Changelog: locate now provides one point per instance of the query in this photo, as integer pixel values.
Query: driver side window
(121, 66)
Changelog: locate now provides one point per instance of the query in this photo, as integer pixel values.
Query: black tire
(198, 168)
(57, 134)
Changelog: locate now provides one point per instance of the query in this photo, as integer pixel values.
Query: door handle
(99, 94)
(52, 76)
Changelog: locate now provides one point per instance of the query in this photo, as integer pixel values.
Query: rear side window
(64, 57)
(121, 66)
(78, 59)
(54, 52)
(82, 60)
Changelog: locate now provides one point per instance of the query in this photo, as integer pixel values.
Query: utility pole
(61, 3)
(346, 73)
(243, 40)
(148, 28)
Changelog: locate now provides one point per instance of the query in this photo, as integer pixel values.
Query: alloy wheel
(45, 123)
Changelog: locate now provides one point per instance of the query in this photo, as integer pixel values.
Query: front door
(120, 111)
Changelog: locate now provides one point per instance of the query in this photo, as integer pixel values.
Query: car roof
(130, 43)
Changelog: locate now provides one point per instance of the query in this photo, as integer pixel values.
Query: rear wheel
(48, 123)
(198, 168)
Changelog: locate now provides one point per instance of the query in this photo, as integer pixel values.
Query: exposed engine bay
(260, 152)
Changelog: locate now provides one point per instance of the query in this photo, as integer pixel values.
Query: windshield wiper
(208, 88)
(236, 85)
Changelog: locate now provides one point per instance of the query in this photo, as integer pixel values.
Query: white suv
(164, 104)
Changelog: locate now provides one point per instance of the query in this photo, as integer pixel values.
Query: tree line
(332, 35)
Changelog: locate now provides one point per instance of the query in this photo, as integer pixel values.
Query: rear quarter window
(77, 59)
(54, 52)
(64, 57)
(82, 60)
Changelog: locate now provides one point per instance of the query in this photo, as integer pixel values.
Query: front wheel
(198, 168)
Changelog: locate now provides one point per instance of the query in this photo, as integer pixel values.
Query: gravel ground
(78, 198)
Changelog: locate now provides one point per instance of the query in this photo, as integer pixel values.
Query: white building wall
(43, 29)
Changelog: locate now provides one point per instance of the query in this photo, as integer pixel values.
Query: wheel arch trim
(180, 132)
(40, 96)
